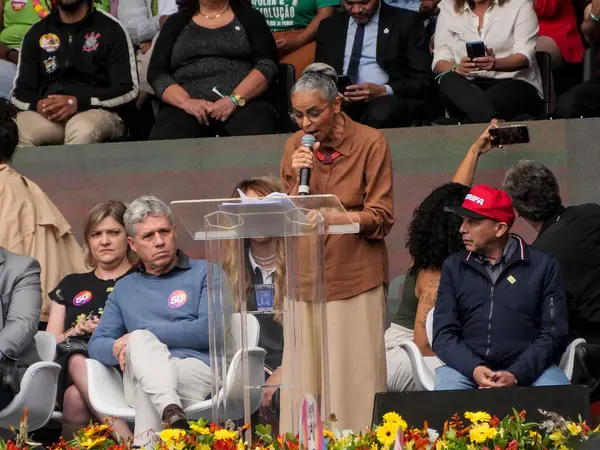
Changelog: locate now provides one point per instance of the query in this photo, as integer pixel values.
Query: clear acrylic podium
(300, 226)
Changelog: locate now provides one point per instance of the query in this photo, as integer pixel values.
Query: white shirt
(508, 29)
(369, 70)
(267, 275)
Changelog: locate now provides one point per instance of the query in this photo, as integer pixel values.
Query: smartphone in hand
(475, 49)
(343, 81)
(509, 135)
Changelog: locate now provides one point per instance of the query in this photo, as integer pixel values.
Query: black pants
(582, 100)
(257, 117)
(383, 112)
(483, 99)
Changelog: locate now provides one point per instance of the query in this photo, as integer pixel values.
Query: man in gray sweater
(155, 324)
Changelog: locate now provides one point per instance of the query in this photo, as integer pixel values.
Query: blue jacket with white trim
(518, 324)
(92, 60)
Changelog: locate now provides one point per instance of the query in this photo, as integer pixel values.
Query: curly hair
(433, 233)
(534, 190)
(9, 133)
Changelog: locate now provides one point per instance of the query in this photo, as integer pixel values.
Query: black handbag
(72, 345)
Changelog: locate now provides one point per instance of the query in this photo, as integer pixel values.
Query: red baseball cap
(485, 202)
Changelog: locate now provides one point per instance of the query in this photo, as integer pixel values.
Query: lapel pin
(386, 31)
(237, 28)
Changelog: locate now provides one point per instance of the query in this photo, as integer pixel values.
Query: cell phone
(343, 81)
(509, 135)
(475, 49)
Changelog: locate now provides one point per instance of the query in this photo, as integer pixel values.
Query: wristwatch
(238, 100)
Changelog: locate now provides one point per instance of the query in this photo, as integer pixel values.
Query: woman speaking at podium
(352, 162)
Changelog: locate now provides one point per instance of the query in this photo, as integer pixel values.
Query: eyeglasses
(311, 115)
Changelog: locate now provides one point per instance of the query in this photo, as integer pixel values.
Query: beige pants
(88, 127)
(356, 359)
(153, 379)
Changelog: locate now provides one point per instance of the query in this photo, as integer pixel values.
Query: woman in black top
(77, 307)
(212, 62)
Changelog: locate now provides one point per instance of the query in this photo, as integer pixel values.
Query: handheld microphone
(307, 141)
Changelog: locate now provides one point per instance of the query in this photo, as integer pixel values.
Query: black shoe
(174, 417)
(10, 376)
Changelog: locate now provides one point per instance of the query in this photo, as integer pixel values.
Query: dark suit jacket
(403, 52)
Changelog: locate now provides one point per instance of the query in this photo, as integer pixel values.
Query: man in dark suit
(385, 53)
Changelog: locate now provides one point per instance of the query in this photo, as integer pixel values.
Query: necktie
(356, 52)
(154, 8)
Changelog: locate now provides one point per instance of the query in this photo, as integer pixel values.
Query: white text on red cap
(474, 199)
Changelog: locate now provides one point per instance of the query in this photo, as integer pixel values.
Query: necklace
(216, 16)
(267, 260)
(39, 9)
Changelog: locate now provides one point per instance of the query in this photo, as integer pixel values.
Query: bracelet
(594, 17)
(440, 75)
(234, 100)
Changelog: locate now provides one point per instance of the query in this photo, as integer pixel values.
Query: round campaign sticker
(82, 298)
(177, 299)
(50, 42)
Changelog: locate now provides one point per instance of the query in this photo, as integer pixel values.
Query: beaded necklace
(40, 9)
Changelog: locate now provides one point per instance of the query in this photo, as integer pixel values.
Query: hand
(223, 109)
(145, 46)
(466, 66)
(267, 397)
(484, 143)
(201, 109)
(303, 158)
(487, 62)
(120, 345)
(59, 108)
(364, 92)
(505, 379)
(484, 377)
(122, 357)
(90, 325)
(288, 43)
(429, 7)
(162, 20)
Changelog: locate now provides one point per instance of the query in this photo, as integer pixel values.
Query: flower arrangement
(473, 431)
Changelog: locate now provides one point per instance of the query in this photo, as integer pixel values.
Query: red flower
(522, 414)
(224, 445)
(213, 427)
(513, 445)
(494, 421)
(10, 445)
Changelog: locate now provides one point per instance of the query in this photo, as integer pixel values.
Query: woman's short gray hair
(142, 207)
(318, 77)
(534, 190)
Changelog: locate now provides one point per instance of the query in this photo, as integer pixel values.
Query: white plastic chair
(424, 377)
(38, 388)
(105, 385)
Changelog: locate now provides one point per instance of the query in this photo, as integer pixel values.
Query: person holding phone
(501, 82)
(384, 53)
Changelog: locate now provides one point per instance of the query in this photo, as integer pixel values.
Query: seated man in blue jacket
(155, 324)
(500, 318)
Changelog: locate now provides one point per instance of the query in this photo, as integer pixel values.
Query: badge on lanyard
(265, 296)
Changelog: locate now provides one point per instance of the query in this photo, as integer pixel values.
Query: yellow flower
(563, 447)
(223, 435)
(95, 430)
(374, 446)
(535, 436)
(386, 433)
(91, 443)
(557, 437)
(409, 445)
(396, 419)
(179, 445)
(171, 434)
(478, 417)
(203, 447)
(441, 445)
(471, 447)
(573, 428)
(329, 434)
(199, 430)
(241, 445)
(481, 432)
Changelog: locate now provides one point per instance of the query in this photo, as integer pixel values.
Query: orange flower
(494, 421)
(213, 427)
(522, 414)
(514, 445)
(224, 444)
